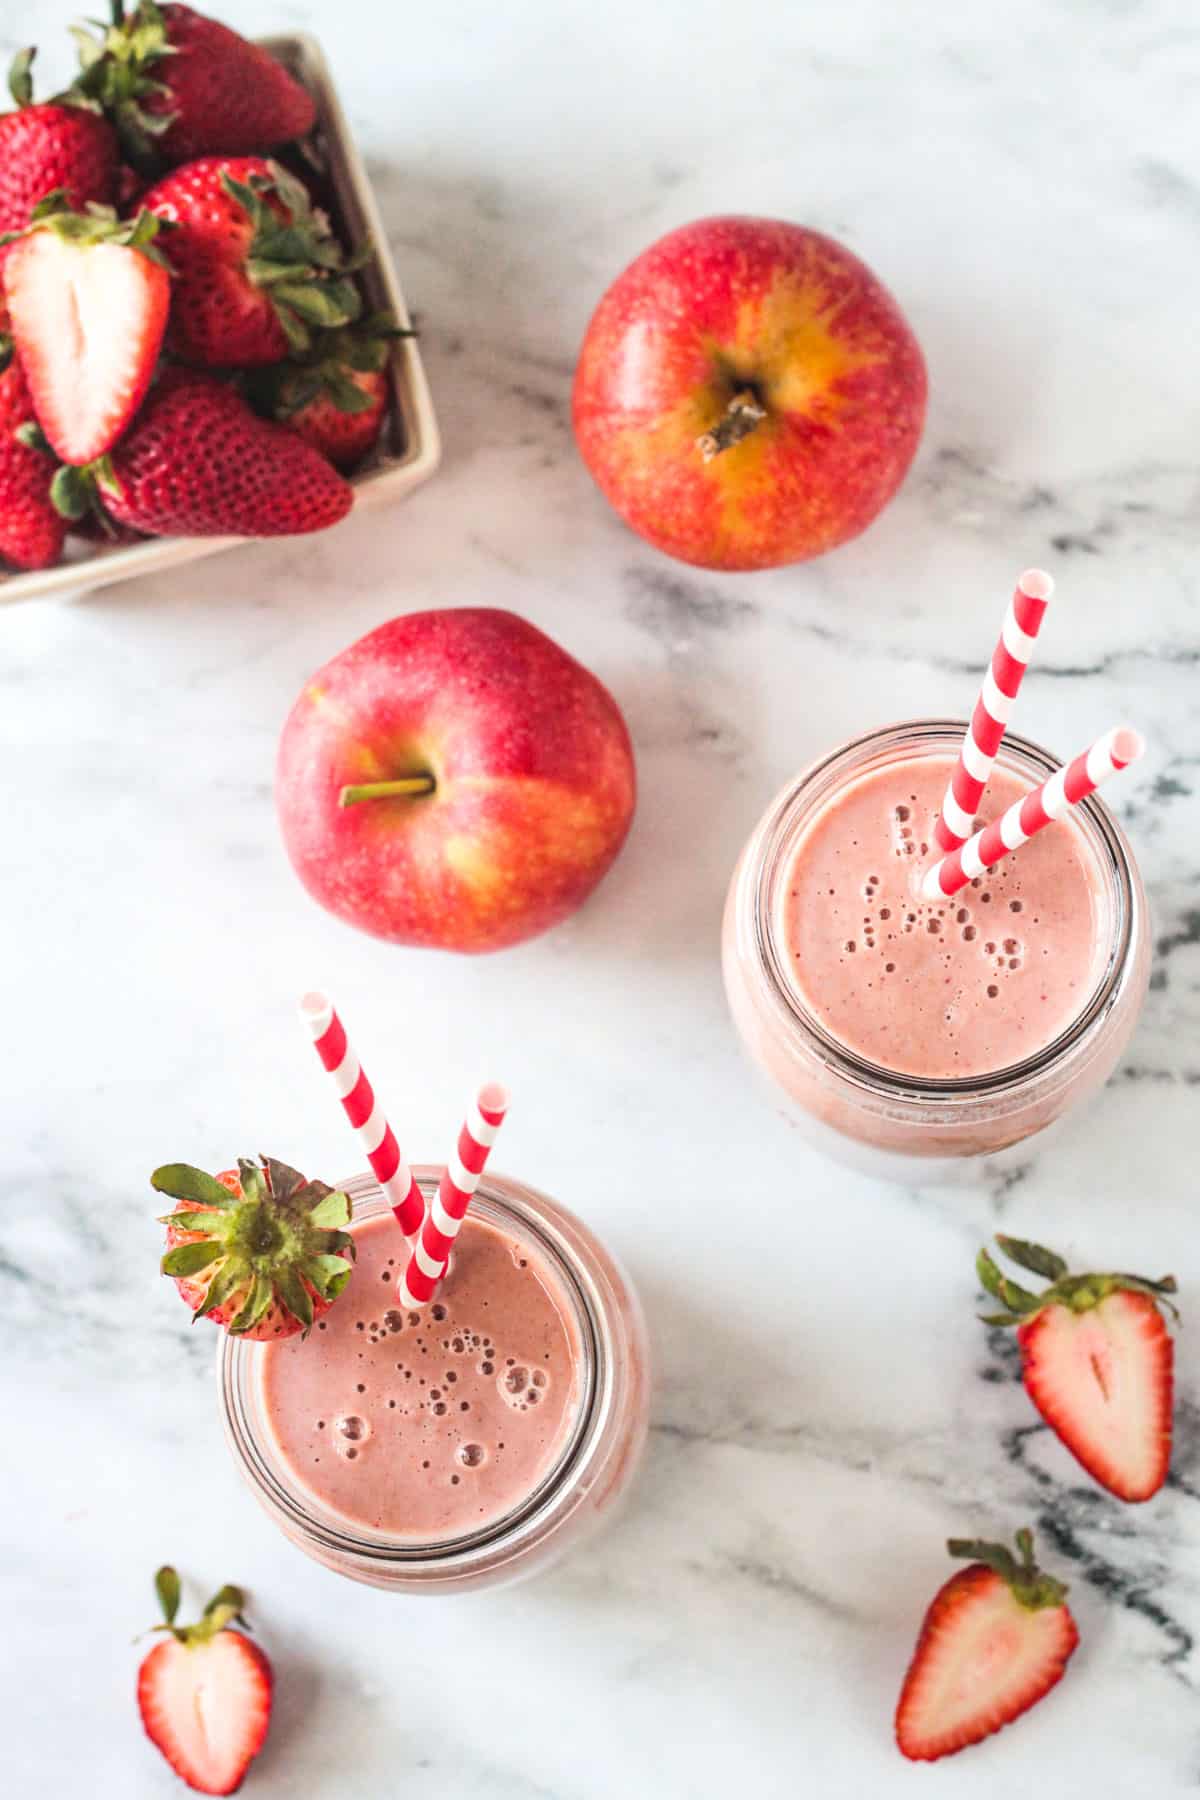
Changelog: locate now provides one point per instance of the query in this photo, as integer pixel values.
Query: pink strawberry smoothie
(945, 989)
(427, 1426)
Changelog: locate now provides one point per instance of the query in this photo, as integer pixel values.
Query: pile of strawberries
(183, 341)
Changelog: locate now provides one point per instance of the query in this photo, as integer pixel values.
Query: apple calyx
(412, 786)
(744, 414)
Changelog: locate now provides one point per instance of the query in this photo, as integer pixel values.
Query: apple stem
(744, 414)
(385, 790)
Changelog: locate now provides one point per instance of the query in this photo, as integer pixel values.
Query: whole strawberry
(198, 463)
(205, 1693)
(260, 1251)
(49, 146)
(996, 1638)
(257, 267)
(87, 297)
(336, 397)
(177, 84)
(1097, 1362)
(31, 529)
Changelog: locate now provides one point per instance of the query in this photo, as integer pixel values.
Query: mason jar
(602, 1441)
(894, 1124)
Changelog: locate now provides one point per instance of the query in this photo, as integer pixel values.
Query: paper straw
(1025, 818)
(431, 1252)
(1022, 622)
(364, 1112)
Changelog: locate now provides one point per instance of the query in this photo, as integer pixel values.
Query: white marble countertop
(1024, 179)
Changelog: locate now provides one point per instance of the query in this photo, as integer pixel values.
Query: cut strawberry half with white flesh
(88, 296)
(205, 1693)
(1097, 1361)
(997, 1637)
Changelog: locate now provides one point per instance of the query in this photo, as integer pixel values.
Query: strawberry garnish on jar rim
(259, 1249)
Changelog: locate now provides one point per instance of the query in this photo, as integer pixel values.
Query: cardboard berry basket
(409, 447)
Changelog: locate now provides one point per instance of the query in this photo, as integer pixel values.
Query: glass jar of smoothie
(909, 1035)
(467, 1444)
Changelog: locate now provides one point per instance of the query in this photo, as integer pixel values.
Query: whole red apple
(748, 394)
(454, 779)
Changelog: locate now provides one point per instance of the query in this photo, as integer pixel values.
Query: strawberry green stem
(386, 790)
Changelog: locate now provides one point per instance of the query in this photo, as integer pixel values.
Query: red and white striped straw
(1022, 622)
(1025, 818)
(431, 1252)
(357, 1096)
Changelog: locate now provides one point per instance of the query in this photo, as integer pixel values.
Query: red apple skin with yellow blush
(730, 307)
(520, 763)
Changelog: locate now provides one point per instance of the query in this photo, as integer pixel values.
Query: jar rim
(777, 832)
(508, 1203)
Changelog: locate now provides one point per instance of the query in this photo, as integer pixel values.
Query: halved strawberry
(205, 1694)
(1097, 1362)
(997, 1637)
(260, 1251)
(88, 295)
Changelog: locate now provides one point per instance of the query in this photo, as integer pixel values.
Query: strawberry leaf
(20, 76)
(232, 1275)
(346, 395)
(328, 1274)
(295, 1296)
(285, 1182)
(257, 1302)
(330, 1243)
(254, 1187)
(332, 1209)
(996, 1283)
(298, 335)
(1034, 1257)
(246, 196)
(70, 493)
(196, 1221)
(189, 1259)
(182, 1182)
(228, 1600)
(326, 304)
(90, 51)
(166, 1586)
(31, 434)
